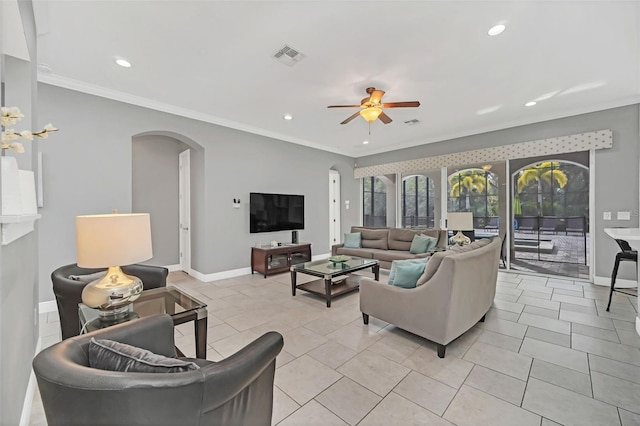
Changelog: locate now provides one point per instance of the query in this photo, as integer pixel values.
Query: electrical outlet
(624, 215)
(606, 216)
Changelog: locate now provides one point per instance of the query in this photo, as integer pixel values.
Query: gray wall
(155, 191)
(87, 170)
(616, 184)
(19, 259)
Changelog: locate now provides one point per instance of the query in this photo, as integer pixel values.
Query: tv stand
(273, 260)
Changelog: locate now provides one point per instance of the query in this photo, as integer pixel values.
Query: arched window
(418, 200)
(374, 202)
(475, 190)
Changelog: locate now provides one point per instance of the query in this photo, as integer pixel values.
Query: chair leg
(483, 318)
(365, 318)
(614, 274)
(441, 350)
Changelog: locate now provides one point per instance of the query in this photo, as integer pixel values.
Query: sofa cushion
(357, 252)
(115, 356)
(432, 266)
(353, 240)
(391, 255)
(400, 239)
(375, 238)
(395, 263)
(407, 274)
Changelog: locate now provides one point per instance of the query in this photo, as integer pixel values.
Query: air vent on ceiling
(288, 55)
(412, 122)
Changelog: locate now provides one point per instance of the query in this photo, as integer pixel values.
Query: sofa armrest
(334, 249)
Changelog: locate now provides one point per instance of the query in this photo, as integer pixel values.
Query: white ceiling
(213, 60)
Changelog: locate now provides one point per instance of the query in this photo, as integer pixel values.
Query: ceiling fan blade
(401, 104)
(376, 96)
(351, 118)
(343, 106)
(385, 118)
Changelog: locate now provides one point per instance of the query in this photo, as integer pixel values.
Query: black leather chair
(626, 253)
(235, 391)
(68, 292)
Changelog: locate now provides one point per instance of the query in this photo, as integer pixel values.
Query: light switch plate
(606, 216)
(624, 215)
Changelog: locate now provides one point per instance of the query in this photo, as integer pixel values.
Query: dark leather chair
(235, 391)
(626, 253)
(68, 292)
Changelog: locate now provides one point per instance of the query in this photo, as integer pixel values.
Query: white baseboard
(48, 306)
(173, 268)
(638, 325)
(620, 283)
(321, 256)
(25, 417)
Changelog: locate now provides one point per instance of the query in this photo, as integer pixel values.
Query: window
(418, 202)
(475, 190)
(375, 202)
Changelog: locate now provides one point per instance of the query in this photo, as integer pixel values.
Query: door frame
(184, 201)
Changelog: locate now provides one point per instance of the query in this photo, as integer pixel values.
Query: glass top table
(164, 300)
(328, 286)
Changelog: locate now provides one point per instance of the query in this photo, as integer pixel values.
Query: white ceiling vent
(288, 56)
(412, 122)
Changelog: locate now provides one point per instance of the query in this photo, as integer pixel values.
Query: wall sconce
(236, 203)
(346, 204)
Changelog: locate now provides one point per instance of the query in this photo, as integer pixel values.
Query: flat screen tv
(275, 212)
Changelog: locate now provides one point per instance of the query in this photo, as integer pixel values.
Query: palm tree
(547, 172)
(467, 182)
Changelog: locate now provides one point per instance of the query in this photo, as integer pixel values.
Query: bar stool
(626, 254)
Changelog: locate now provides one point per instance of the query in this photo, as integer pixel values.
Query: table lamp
(109, 241)
(460, 221)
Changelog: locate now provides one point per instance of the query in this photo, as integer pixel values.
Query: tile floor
(547, 354)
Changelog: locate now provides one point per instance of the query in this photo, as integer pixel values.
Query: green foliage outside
(474, 190)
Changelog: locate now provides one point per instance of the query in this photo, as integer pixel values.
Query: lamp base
(113, 293)
(460, 239)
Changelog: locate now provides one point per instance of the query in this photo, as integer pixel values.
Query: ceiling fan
(371, 107)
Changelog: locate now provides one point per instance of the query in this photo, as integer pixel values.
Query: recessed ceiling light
(123, 62)
(495, 30)
(288, 117)
(530, 103)
(365, 142)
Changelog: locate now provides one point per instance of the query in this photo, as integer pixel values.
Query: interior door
(185, 209)
(334, 208)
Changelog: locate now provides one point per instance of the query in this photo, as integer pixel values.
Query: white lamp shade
(113, 239)
(460, 221)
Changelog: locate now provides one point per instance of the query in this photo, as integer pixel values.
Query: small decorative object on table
(339, 259)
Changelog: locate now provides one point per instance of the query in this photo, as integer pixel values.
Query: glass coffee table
(164, 300)
(328, 286)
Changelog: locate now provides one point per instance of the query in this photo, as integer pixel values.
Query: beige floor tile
(615, 391)
(323, 326)
(304, 378)
(312, 414)
(449, 370)
(623, 353)
(473, 407)
(217, 332)
(508, 306)
(552, 402)
(301, 340)
(498, 359)
(503, 315)
(348, 400)
(497, 384)
(540, 303)
(505, 327)
(536, 295)
(561, 376)
(598, 333)
(614, 368)
(393, 349)
(500, 340)
(543, 312)
(426, 392)
(283, 406)
(586, 319)
(628, 418)
(559, 339)
(354, 337)
(559, 355)
(283, 358)
(332, 354)
(396, 410)
(545, 323)
(230, 345)
(573, 300)
(374, 372)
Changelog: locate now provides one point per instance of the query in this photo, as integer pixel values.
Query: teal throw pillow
(432, 242)
(420, 244)
(407, 274)
(394, 266)
(352, 240)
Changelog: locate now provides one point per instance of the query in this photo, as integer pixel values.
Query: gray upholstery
(235, 391)
(389, 244)
(457, 294)
(68, 292)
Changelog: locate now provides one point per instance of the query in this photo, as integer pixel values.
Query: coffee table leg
(201, 337)
(327, 291)
(376, 271)
(293, 283)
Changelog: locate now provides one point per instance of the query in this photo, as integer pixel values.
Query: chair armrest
(225, 379)
(151, 276)
(334, 249)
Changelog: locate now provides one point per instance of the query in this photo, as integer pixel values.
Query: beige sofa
(389, 244)
(455, 292)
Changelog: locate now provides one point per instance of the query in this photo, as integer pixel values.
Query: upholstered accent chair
(235, 391)
(68, 292)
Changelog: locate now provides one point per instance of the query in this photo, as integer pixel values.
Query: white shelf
(16, 226)
(19, 218)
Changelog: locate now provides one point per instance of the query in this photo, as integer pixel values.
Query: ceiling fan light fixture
(371, 113)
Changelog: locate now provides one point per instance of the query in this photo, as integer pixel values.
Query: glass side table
(164, 300)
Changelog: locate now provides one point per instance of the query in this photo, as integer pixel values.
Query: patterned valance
(573, 143)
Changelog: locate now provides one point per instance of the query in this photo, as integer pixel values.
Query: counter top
(629, 234)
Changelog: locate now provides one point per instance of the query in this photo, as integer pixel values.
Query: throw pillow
(407, 274)
(352, 240)
(115, 356)
(395, 263)
(432, 242)
(420, 244)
